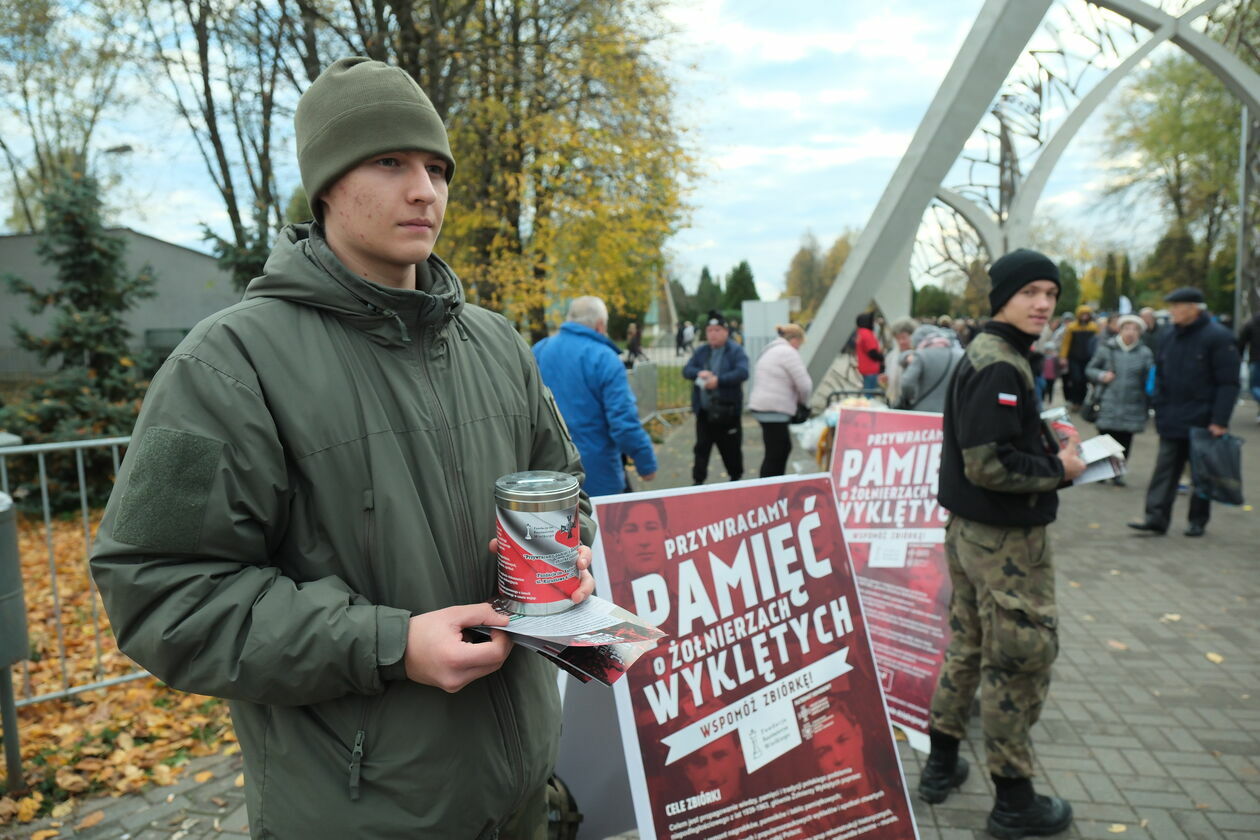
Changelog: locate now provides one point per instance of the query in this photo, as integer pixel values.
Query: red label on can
(538, 555)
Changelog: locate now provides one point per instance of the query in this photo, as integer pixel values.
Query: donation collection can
(538, 540)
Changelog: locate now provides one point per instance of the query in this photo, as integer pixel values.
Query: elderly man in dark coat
(1196, 385)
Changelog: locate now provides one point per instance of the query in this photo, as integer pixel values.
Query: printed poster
(885, 467)
(760, 714)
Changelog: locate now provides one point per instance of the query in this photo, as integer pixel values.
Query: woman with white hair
(780, 384)
(1120, 367)
(926, 379)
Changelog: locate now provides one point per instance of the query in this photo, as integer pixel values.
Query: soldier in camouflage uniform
(999, 480)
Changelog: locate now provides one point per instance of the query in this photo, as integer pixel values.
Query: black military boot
(944, 769)
(1021, 812)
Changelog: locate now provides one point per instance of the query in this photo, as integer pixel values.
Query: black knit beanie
(1016, 270)
(358, 108)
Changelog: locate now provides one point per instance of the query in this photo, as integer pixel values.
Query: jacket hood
(304, 270)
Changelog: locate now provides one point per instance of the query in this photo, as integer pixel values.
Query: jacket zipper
(500, 697)
(356, 754)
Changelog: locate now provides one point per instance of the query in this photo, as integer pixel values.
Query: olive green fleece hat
(358, 108)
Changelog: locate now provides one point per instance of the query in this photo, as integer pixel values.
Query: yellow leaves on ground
(90, 820)
(1118, 828)
(203, 777)
(45, 834)
(239, 781)
(1114, 645)
(1214, 658)
(70, 781)
(112, 741)
(28, 807)
(1169, 617)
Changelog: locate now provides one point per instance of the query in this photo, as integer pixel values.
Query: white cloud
(822, 152)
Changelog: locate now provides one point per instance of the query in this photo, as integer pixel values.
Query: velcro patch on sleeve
(165, 501)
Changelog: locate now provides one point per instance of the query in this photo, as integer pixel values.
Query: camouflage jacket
(994, 465)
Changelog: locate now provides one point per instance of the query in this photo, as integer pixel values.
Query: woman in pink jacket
(780, 384)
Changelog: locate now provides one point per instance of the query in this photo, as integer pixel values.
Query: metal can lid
(536, 486)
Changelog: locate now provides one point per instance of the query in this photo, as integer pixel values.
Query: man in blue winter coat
(1196, 386)
(583, 369)
(719, 368)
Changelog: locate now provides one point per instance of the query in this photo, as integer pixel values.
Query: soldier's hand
(1216, 430)
(438, 655)
(1070, 455)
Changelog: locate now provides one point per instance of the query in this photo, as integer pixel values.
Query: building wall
(189, 286)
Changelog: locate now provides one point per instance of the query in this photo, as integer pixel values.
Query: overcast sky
(800, 112)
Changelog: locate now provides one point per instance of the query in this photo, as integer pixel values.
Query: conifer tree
(740, 287)
(95, 391)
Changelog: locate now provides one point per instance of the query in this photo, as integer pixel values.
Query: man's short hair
(588, 310)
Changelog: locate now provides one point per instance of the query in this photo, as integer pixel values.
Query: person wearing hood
(870, 353)
(582, 367)
(1074, 351)
(303, 522)
(1120, 367)
(925, 381)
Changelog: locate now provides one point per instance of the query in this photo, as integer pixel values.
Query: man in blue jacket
(583, 369)
(719, 368)
(1196, 386)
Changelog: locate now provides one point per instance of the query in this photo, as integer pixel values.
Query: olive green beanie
(358, 108)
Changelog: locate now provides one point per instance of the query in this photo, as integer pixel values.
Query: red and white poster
(760, 714)
(885, 467)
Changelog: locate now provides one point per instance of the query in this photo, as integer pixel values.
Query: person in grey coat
(926, 378)
(1120, 366)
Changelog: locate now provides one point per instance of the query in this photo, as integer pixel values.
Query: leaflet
(594, 640)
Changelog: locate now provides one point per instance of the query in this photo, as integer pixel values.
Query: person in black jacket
(719, 367)
(999, 482)
(1249, 343)
(1196, 385)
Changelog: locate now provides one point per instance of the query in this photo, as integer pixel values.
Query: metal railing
(40, 453)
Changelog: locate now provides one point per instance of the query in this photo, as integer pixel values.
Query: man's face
(716, 334)
(1149, 318)
(384, 215)
(839, 745)
(638, 543)
(1183, 313)
(1029, 309)
(715, 767)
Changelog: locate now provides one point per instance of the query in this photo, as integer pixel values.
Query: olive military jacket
(312, 467)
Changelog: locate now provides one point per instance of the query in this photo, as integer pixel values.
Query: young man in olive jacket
(302, 523)
(999, 483)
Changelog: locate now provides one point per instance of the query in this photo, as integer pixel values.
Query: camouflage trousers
(1004, 636)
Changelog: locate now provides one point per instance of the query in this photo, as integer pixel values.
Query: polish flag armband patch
(1007, 399)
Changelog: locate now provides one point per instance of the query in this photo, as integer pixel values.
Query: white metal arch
(1001, 31)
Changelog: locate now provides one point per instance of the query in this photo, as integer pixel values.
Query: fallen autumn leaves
(109, 741)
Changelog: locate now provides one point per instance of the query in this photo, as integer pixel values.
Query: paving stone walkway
(1152, 728)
